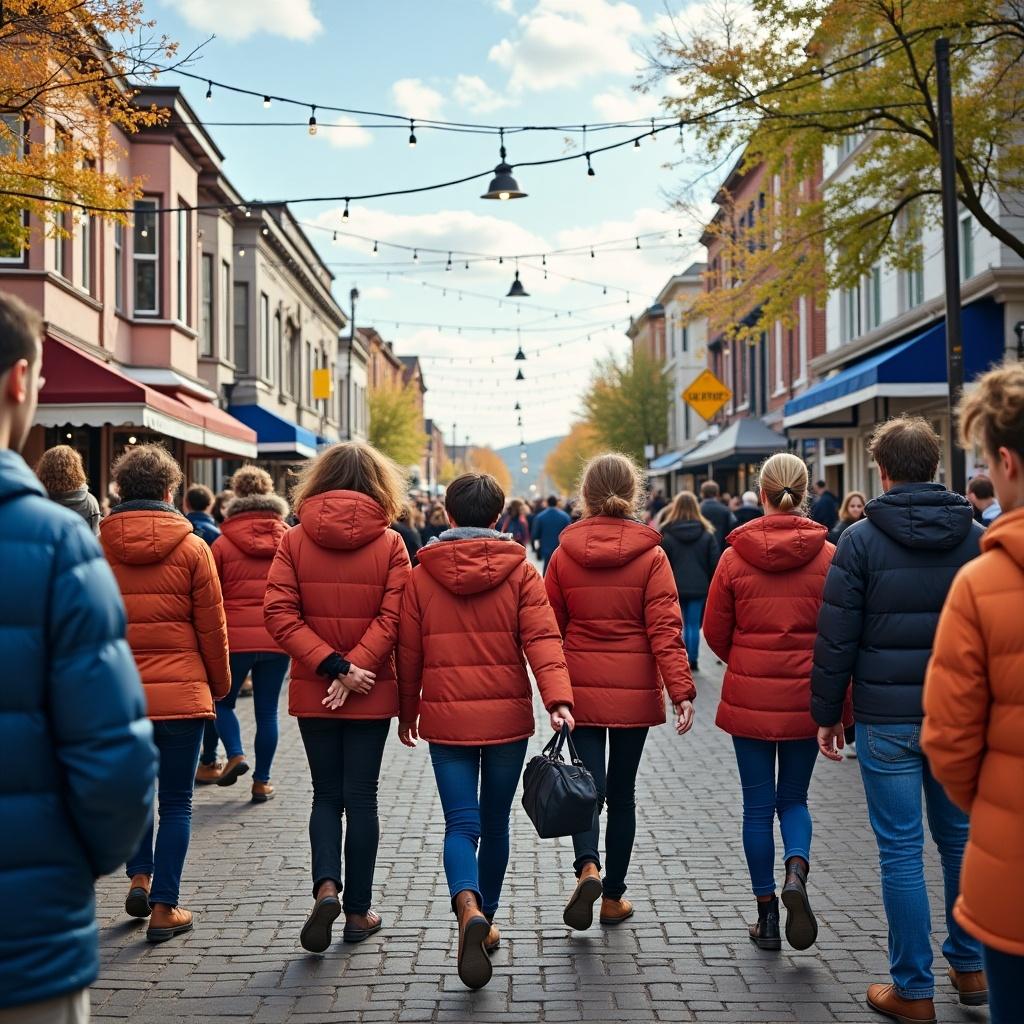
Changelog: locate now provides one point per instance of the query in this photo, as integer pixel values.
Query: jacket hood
(16, 479)
(255, 525)
(778, 543)
(143, 532)
(469, 560)
(1007, 532)
(77, 499)
(925, 516)
(344, 520)
(605, 542)
(687, 531)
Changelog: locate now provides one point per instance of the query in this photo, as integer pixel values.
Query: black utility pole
(352, 296)
(951, 251)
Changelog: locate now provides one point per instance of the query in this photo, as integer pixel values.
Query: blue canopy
(276, 436)
(667, 463)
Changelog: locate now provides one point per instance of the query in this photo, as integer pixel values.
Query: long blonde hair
(684, 508)
(844, 509)
(353, 466)
(612, 485)
(783, 478)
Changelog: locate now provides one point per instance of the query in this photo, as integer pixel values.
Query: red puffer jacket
(335, 587)
(471, 609)
(249, 539)
(761, 619)
(614, 596)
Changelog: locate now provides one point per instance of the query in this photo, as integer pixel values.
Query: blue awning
(667, 463)
(913, 367)
(276, 437)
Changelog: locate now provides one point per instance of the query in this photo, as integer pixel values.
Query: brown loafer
(233, 771)
(579, 911)
(167, 922)
(262, 792)
(615, 911)
(208, 774)
(885, 1000)
(137, 902)
(971, 986)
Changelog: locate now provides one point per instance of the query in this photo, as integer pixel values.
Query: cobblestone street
(685, 956)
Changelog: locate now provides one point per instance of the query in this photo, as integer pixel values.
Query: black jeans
(344, 760)
(616, 789)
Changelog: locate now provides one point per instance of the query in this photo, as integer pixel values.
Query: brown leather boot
(579, 911)
(615, 911)
(971, 986)
(233, 771)
(887, 1001)
(262, 792)
(493, 941)
(474, 963)
(208, 774)
(137, 902)
(167, 922)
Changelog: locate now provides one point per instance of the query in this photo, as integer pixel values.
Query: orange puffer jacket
(614, 596)
(249, 539)
(335, 587)
(473, 606)
(176, 625)
(973, 732)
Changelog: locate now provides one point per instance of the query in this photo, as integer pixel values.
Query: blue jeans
(268, 672)
(476, 786)
(210, 741)
(895, 772)
(693, 615)
(1003, 972)
(764, 796)
(178, 741)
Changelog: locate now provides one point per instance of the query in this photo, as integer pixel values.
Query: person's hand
(359, 679)
(832, 739)
(684, 716)
(408, 733)
(562, 715)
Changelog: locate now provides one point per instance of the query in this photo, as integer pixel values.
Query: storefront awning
(746, 440)
(915, 367)
(670, 462)
(276, 437)
(82, 390)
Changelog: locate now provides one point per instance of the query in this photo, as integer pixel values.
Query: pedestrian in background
(219, 504)
(610, 585)
(513, 522)
(715, 512)
(405, 528)
(61, 472)
(178, 634)
(436, 524)
(974, 697)
(252, 531)
(198, 502)
(884, 592)
(77, 763)
(689, 541)
(749, 508)
(547, 529)
(473, 608)
(761, 620)
(332, 603)
(982, 495)
(825, 506)
(851, 511)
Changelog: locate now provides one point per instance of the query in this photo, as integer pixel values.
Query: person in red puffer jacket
(332, 602)
(250, 535)
(614, 596)
(762, 620)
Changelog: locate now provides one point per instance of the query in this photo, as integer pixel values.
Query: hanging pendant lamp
(517, 291)
(503, 185)
(520, 375)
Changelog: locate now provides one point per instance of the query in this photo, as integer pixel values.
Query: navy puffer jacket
(77, 763)
(884, 591)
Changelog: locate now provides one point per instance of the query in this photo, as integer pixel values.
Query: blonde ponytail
(783, 478)
(611, 486)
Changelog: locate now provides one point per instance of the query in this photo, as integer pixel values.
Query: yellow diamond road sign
(706, 395)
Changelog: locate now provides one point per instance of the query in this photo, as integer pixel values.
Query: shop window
(241, 326)
(206, 316)
(146, 258)
(118, 266)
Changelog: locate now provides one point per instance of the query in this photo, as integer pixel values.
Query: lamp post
(352, 296)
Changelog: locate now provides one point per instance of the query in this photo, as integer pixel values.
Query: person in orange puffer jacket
(973, 732)
(332, 603)
(178, 635)
(614, 596)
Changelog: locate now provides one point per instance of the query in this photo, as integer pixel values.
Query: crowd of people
(126, 656)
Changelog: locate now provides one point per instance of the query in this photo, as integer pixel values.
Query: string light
(412, 134)
(266, 102)
(312, 120)
(591, 173)
(636, 143)
(374, 253)
(344, 215)
(415, 256)
(209, 92)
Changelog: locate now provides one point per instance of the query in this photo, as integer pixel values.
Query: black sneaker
(765, 934)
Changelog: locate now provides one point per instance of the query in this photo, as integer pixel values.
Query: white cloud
(620, 105)
(505, 6)
(240, 19)
(473, 93)
(414, 98)
(348, 133)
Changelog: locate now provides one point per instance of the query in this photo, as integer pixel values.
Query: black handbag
(559, 797)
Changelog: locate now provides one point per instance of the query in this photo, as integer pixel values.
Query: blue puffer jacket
(883, 594)
(77, 762)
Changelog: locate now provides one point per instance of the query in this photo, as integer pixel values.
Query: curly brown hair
(992, 413)
(146, 472)
(250, 480)
(352, 466)
(60, 469)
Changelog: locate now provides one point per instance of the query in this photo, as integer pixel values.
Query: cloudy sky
(496, 62)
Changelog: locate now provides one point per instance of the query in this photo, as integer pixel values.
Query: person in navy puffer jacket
(77, 763)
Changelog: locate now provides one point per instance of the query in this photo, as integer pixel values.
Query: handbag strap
(566, 736)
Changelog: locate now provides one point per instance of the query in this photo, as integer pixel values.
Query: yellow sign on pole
(706, 395)
(323, 384)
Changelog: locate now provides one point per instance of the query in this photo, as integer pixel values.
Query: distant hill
(536, 456)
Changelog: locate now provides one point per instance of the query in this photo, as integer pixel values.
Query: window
(873, 298)
(849, 143)
(60, 246)
(206, 316)
(183, 265)
(12, 141)
(118, 267)
(966, 247)
(224, 328)
(87, 237)
(292, 368)
(146, 259)
(265, 356)
(850, 312)
(275, 358)
(780, 380)
(241, 312)
(686, 338)
(307, 379)
(802, 333)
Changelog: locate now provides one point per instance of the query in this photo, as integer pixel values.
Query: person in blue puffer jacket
(77, 762)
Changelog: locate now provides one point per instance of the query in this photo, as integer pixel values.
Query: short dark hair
(474, 499)
(552, 500)
(820, 483)
(906, 449)
(20, 330)
(709, 489)
(981, 487)
(146, 473)
(198, 498)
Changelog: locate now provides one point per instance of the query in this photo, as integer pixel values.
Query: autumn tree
(626, 403)
(566, 460)
(65, 73)
(396, 427)
(487, 460)
(774, 82)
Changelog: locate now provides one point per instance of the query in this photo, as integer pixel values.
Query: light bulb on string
(503, 185)
(412, 134)
(415, 255)
(654, 136)
(592, 253)
(448, 265)
(636, 143)
(241, 251)
(264, 231)
(266, 102)
(209, 92)
(591, 173)
(344, 213)
(334, 237)
(312, 120)
(374, 253)
(638, 241)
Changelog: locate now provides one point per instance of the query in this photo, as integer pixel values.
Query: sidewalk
(684, 957)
